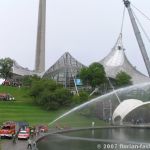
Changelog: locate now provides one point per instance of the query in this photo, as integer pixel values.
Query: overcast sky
(88, 29)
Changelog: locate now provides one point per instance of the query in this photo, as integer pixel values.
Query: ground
(8, 145)
(20, 144)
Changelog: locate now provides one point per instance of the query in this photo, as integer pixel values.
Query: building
(40, 47)
(21, 71)
(116, 61)
(64, 71)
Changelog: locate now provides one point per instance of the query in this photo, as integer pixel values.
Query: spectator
(29, 144)
(34, 144)
(14, 138)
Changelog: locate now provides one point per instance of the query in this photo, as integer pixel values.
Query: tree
(81, 98)
(94, 75)
(39, 86)
(123, 79)
(28, 79)
(6, 68)
(49, 94)
(83, 74)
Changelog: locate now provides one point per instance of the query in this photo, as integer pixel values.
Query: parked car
(6, 97)
(24, 133)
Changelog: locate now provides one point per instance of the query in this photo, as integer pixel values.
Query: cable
(114, 90)
(141, 12)
(123, 16)
(146, 35)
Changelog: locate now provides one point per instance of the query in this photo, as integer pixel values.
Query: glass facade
(65, 70)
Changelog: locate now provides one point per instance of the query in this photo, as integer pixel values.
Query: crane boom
(138, 36)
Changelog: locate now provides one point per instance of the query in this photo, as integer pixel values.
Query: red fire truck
(8, 129)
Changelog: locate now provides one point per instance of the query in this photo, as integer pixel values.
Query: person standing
(34, 145)
(14, 138)
(29, 144)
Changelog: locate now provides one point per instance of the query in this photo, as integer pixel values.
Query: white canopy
(125, 108)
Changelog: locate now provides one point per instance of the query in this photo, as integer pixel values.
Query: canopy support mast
(138, 36)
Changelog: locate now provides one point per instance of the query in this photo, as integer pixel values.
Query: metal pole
(76, 86)
(40, 43)
(138, 36)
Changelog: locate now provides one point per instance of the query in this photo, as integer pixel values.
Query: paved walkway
(9, 145)
(19, 145)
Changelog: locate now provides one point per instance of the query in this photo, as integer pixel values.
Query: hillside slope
(23, 108)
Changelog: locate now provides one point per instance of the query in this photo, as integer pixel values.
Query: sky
(88, 29)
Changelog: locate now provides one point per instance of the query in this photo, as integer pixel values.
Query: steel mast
(138, 36)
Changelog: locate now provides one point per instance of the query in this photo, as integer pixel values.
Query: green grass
(77, 120)
(25, 112)
(23, 108)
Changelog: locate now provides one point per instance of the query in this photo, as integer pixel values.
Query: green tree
(123, 79)
(84, 75)
(59, 98)
(94, 75)
(49, 94)
(39, 86)
(28, 79)
(76, 99)
(6, 68)
(82, 97)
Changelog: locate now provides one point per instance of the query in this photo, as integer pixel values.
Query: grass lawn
(77, 120)
(23, 108)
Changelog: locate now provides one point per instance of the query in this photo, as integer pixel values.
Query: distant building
(21, 71)
(66, 68)
(116, 61)
(40, 47)
(64, 71)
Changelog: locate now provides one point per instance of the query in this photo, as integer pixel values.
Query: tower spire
(40, 43)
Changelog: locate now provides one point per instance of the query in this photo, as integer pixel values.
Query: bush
(83, 97)
(50, 95)
(27, 80)
(123, 79)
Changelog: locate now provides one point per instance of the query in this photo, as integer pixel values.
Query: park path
(21, 144)
(9, 145)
